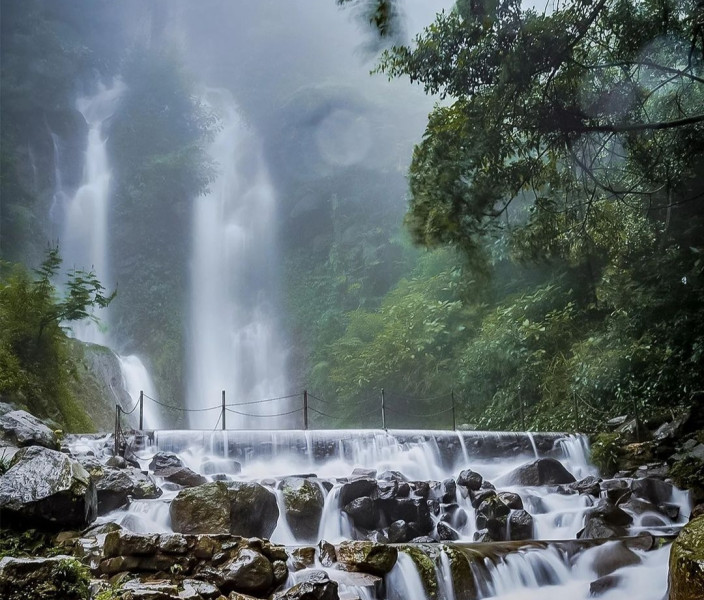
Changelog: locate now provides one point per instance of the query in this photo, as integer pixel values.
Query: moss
(686, 578)
(462, 576)
(606, 452)
(426, 569)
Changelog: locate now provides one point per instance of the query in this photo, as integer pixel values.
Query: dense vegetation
(568, 170)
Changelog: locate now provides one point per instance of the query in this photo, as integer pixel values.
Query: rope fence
(399, 408)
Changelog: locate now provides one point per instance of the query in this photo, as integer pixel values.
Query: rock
(363, 512)
(445, 532)
(303, 557)
(201, 509)
(399, 532)
(56, 578)
(367, 557)
(413, 510)
(173, 543)
(317, 586)
(115, 486)
(520, 525)
(182, 476)
(303, 500)
(492, 514)
(360, 473)
(616, 422)
(605, 520)
(651, 489)
(126, 543)
(253, 509)
(19, 428)
(47, 488)
(449, 491)
(470, 480)
(611, 556)
(513, 501)
(604, 584)
(327, 553)
(543, 471)
(116, 461)
(454, 515)
(589, 485)
(632, 430)
(201, 589)
(249, 572)
(356, 489)
(164, 460)
(686, 576)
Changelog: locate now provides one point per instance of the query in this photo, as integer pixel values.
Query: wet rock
(303, 557)
(126, 543)
(604, 584)
(56, 578)
(367, 557)
(115, 486)
(449, 491)
(651, 489)
(671, 511)
(644, 541)
(686, 574)
(249, 572)
(356, 489)
(165, 460)
(304, 502)
(513, 501)
(446, 533)
(617, 490)
(116, 461)
(470, 479)
(454, 515)
(492, 515)
(520, 525)
(589, 485)
(392, 476)
(173, 543)
(386, 490)
(46, 488)
(543, 471)
(201, 509)
(360, 473)
(317, 586)
(399, 532)
(201, 589)
(611, 556)
(19, 428)
(412, 510)
(253, 510)
(605, 520)
(182, 476)
(363, 512)
(326, 553)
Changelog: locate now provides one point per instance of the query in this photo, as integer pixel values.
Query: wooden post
(305, 409)
(454, 419)
(383, 411)
(224, 425)
(141, 410)
(117, 429)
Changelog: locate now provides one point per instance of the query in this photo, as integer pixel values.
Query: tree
(555, 118)
(34, 358)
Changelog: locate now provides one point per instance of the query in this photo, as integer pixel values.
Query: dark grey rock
(520, 525)
(249, 572)
(253, 509)
(363, 512)
(543, 471)
(19, 428)
(303, 500)
(317, 586)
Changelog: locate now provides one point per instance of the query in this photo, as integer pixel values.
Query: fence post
(117, 429)
(141, 410)
(383, 411)
(305, 409)
(224, 425)
(454, 419)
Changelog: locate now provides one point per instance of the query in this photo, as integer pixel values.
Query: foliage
(36, 366)
(28, 543)
(605, 452)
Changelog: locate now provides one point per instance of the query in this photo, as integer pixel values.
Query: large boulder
(686, 576)
(182, 476)
(46, 488)
(543, 471)
(249, 572)
(317, 586)
(363, 512)
(201, 509)
(611, 556)
(367, 557)
(116, 486)
(253, 509)
(605, 520)
(19, 428)
(56, 578)
(164, 460)
(520, 525)
(304, 502)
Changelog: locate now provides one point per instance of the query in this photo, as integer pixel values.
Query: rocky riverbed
(376, 515)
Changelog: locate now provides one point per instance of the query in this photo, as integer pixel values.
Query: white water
(404, 582)
(235, 343)
(84, 239)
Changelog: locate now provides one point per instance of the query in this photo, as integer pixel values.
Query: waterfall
(84, 239)
(235, 344)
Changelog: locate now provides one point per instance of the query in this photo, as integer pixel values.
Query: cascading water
(84, 239)
(235, 341)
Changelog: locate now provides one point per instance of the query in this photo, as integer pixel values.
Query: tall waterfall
(84, 239)
(235, 344)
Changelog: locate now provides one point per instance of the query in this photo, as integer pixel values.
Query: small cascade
(235, 343)
(136, 379)
(404, 582)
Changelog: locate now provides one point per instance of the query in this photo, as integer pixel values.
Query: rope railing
(304, 408)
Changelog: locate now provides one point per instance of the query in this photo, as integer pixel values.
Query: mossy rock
(686, 578)
(426, 569)
(367, 557)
